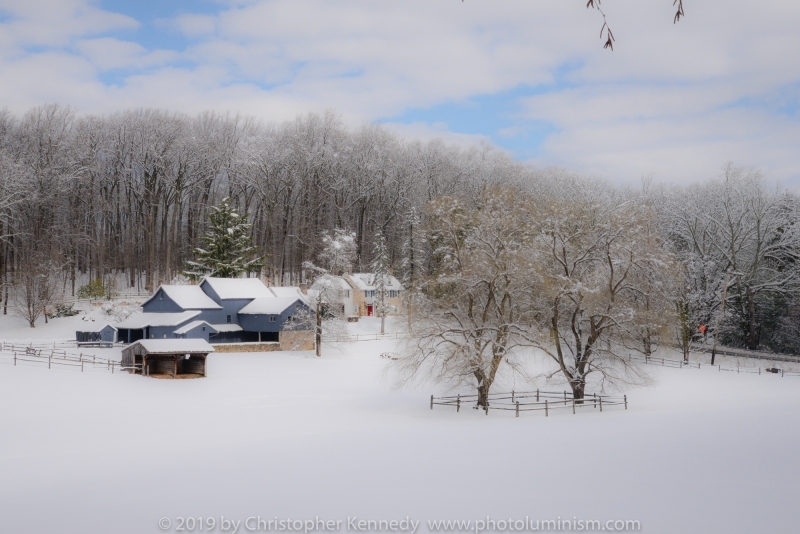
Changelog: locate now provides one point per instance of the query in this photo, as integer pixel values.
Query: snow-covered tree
(338, 251)
(228, 251)
(413, 261)
(600, 281)
(380, 277)
(474, 315)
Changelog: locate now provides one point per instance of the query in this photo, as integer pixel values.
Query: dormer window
(229, 318)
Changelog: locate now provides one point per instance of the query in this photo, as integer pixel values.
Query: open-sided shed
(167, 358)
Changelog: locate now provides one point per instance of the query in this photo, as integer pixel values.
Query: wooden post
(487, 407)
(517, 408)
(626, 401)
(112, 367)
(573, 405)
(537, 395)
(601, 403)
(15, 360)
(431, 402)
(175, 368)
(458, 403)
(565, 398)
(512, 395)
(545, 407)
(594, 396)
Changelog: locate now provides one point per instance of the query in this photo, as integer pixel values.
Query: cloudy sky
(676, 101)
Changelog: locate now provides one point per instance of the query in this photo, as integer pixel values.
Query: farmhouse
(222, 310)
(167, 358)
(365, 295)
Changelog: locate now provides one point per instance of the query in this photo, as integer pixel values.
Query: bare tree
(473, 316)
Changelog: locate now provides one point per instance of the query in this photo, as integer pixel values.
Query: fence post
(517, 408)
(545, 407)
(15, 361)
(565, 398)
(759, 370)
(487, 407)
(512, 395)
(458, 403)
(537, 395)
(112, 367)
(573, 405)
(601, 403)
(626, 401)
(15, 354)
(594, 396)
(431, 402)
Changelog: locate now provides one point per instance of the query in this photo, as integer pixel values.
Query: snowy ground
(293, 436)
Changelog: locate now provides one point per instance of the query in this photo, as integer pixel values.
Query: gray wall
(161, 303)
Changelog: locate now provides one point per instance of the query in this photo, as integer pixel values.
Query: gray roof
(269, 305)
(188, 297)
(141, 320)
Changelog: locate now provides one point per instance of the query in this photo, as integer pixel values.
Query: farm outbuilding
(102, 334)
(167, 358)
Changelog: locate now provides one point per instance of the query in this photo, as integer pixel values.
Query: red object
(702, 328)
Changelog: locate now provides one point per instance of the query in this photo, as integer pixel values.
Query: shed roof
(188, 297)
(92, 327)
(238, 288)
(188, 327)
(140, 320)
(269, 306)
(174, 346)
(227, 327)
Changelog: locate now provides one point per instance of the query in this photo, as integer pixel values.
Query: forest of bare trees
(126, 197)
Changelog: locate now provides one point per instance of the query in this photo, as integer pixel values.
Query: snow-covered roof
(188, 298)
(269, 306)
(288, 291)
(191, 326)
(172, 346)
(94, 327)
(238, 288)
(140, 320)
(326, 281)
(227, 327)
(364, 281)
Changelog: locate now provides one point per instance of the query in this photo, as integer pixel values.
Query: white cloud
(675, 99)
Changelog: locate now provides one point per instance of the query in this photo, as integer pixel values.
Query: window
(393, 293)
(229, 318)
(204, 329)
(347, 293)
(369, 294)
(272, 318)
(290, 319)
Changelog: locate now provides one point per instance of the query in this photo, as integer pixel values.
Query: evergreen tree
(380, 276)
(227, 246)
(413, 258)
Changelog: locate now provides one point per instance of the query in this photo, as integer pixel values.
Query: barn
(167, 358)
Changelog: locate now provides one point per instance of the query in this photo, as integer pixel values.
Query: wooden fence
(667, 362)
(532, 401)
(56, 358)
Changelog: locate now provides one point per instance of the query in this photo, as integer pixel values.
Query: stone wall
(297, 340)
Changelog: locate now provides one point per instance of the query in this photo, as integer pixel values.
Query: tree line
(126, 199)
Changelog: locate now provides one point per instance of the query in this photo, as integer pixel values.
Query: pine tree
(380, 276)
(227, 246)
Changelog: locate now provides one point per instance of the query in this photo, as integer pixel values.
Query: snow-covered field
(291, 436)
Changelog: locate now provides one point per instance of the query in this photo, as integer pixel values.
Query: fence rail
(667, 362)
(53, 357)
(531, 401)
